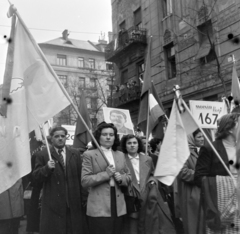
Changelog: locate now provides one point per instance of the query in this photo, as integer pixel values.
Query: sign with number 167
(207, 113)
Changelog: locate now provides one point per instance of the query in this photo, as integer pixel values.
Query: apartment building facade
(193, 44)
(81, 66)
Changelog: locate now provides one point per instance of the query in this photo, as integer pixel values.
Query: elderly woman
(141, 168)
(105, 205)
(189, 193)
(223, 216)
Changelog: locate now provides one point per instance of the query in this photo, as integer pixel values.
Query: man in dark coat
(62, 210)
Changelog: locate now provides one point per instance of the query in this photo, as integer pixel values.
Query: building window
(167, 7)
(91, 63)
(92, 83)
(138, 18)
(63, 79)
(109, 66)
(94, 123)
(140, 70)
(205, 53)
(170, 61)
(81, 82)
(61, 60)
(122, 26)
(91, 103)
(124, 77)
(80, 62)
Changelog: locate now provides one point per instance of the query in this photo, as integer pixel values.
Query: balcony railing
(125, 95)
(125, 39)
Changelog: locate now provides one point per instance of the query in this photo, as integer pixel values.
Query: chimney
(65, 34)
(110, 36)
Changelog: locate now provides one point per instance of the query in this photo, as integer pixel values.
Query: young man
(61, 176)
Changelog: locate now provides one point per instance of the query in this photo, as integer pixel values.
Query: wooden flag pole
(147, 130)
(46, 141)
(57, 80)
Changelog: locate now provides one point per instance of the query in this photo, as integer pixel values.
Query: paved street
(23, 224)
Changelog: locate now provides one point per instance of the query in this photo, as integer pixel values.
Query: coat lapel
(100, 160)
(55, 156)
(69, 155)
(130, 167)
(116, 160)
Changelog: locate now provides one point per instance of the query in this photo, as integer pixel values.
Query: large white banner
(207, 113)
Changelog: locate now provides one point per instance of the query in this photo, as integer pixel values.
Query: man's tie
(61, 157)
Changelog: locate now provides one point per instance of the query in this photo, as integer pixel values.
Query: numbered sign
(207, 113)
(71, 133)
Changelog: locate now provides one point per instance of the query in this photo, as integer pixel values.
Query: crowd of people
(111, 189)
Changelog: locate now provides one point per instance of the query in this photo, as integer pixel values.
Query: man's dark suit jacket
(60, 188)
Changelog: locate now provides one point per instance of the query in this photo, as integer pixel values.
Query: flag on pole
(174, 150)
(82, 137)
(149, 99)
(235, 85)
(36, 94)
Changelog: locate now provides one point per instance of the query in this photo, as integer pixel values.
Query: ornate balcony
(125, 40)
(124, 96)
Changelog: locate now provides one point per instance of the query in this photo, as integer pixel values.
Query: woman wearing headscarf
(189, 192)
(220, 206)
(106, 205)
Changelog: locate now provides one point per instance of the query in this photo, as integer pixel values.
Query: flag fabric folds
(174, 150)
(36, 95)
(235, 86)
(149, 99)
(82, 136)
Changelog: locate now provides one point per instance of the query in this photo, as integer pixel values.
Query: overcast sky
(85, 20)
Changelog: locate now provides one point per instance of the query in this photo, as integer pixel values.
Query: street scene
(120, 117)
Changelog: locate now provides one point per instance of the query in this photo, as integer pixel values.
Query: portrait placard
(120, 118)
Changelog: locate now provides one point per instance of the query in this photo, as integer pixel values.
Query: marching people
(106, 205)
(155, 145)
(61, 177)
(141, 168)
(218, 190)
(188, 191)
(11, 209)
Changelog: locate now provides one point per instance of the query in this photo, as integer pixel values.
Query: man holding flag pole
(34, 94)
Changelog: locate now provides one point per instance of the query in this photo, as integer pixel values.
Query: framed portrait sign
(120, 118)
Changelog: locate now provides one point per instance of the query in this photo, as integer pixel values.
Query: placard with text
(207, 113)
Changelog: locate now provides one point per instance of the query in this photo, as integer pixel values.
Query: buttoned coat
(146, 170)
(55, 196)
(96, 179)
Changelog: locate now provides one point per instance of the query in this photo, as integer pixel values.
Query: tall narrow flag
(235, 86)
(82, 136)
(174, 150)
(36, 94)
(149, 99)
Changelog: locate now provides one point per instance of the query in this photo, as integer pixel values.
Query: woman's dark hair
(98, 132)
(58, 128)
(225, 124)
(128, 137)
(196, 132)
(153, 143)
